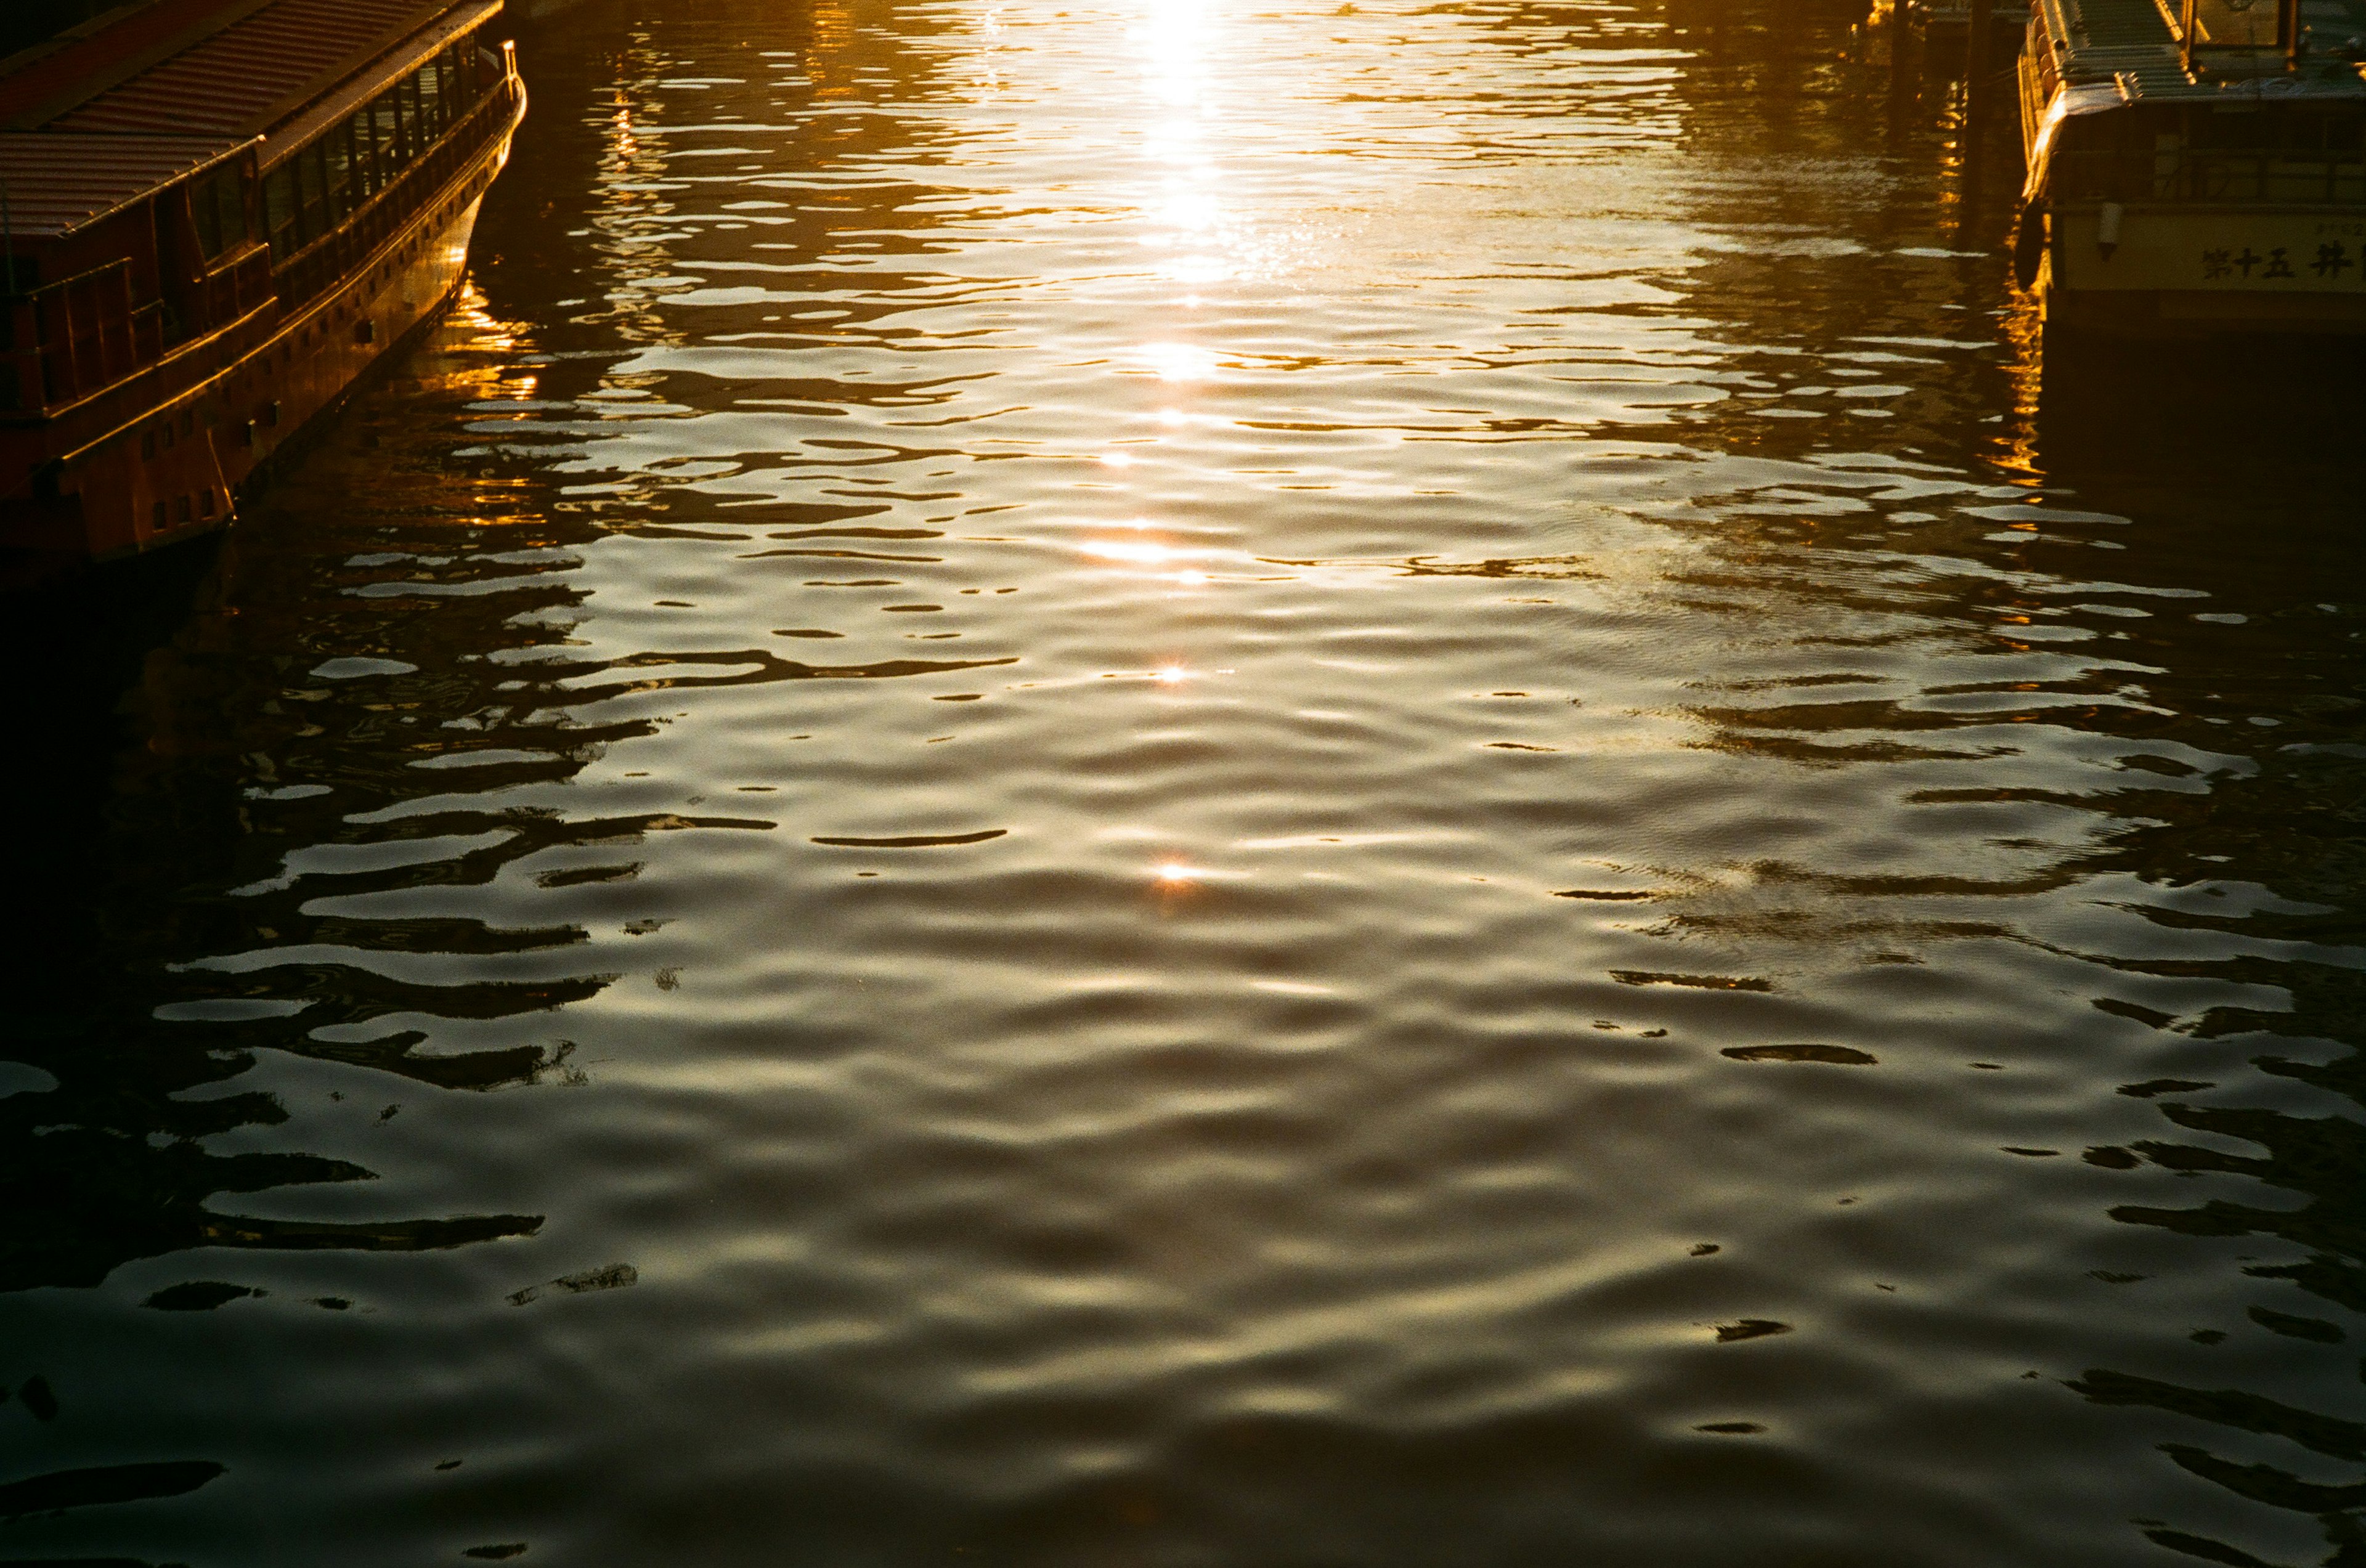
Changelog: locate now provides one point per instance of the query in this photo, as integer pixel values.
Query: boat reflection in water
(1179, 783)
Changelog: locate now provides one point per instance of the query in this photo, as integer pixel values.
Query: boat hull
(2167, 271)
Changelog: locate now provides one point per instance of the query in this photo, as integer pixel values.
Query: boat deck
(2132, 44)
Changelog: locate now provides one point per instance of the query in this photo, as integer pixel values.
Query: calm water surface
(1180, 783)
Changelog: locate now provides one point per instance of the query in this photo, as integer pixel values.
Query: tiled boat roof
(231, 69)
(56, 184)
(2130, 43)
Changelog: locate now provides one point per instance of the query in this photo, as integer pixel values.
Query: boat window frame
(386, 136)
(279, 206)
(217, 208)
(406, 99)
(429, 89)
(336, 149)
(358, 137)
(311, 191)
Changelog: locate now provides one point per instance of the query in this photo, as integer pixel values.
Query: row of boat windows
(2302, 131)
(159, 519)
(342, 167)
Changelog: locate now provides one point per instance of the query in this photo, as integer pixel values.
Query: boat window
(2299, 153)
(235, 183)
(218, 205)
(385, 137)
(279, 209)
(431, 100)
(406, 120)
(2281, 129)
(201, 207)
(357, 133)
(337, 158)
(313, 195)
(406, 95)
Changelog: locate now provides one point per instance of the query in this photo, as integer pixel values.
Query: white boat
(2195, 165)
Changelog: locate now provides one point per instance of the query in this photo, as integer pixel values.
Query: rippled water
(1183, 783)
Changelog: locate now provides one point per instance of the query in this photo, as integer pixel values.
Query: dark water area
(1179, 784)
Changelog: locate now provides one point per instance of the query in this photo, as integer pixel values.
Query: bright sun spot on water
(1174, 872)
(1146, 554)
(1179, 361)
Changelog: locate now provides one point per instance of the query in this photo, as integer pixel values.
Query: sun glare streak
(1175, 33)
(1179, 361)
(1128, 550)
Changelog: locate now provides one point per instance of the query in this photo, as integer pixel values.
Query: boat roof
(223, 68)
(56, 183)
(2133, 45)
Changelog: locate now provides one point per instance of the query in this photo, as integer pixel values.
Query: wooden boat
(215, 215)
(2195, 165)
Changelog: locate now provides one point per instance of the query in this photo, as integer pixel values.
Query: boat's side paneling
(336, 342)
(2213, 250)
(2229, 268)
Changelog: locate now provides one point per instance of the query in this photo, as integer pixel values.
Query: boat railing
(2329, 177)
(318, 265)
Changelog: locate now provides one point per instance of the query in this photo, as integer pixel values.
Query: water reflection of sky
(1177, 782)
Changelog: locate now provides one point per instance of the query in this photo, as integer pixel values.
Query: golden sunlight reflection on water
(1201, 784)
